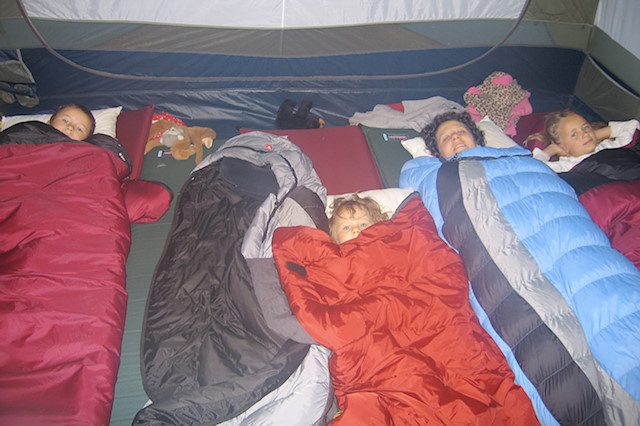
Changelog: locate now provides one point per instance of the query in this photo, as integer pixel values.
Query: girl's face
(452, 137)
(349, 227)
(576, 136)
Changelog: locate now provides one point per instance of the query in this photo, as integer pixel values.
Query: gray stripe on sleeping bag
(529, 282)
(560, 383)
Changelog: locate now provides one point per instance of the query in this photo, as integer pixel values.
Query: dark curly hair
(429, 132)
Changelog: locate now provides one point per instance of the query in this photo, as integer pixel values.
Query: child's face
(349, 227)
(73, 122)
(452, 137)
(576, 136)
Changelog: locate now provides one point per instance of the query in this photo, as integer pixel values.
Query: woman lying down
(391, 300)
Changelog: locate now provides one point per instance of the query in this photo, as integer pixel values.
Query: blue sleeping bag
(560, 302)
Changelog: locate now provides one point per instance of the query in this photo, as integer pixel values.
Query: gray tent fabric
(604, 31)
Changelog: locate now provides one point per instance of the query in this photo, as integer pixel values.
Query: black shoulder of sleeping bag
(39, 133)
(606, 166)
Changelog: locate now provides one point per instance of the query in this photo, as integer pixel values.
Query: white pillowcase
(416, 147)
(388, 198)
(494, 137)
(105, 120)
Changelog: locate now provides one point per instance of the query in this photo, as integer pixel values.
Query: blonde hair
(552, 127)
(346, 207)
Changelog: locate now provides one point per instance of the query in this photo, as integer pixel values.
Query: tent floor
(147, 244)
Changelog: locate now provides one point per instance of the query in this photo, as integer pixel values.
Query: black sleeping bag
(208, 353)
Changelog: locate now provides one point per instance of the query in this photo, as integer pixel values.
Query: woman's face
(576, 136)
(453, 137)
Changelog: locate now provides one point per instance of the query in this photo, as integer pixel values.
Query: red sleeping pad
(340, 155)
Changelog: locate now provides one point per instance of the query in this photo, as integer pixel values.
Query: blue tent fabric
(338, 86)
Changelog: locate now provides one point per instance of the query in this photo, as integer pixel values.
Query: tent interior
(227, 65)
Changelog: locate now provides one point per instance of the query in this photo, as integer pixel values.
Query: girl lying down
(391, 300)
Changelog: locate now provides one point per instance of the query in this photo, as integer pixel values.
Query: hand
(603, 133)
(555, 149)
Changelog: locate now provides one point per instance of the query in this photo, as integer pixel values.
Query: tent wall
(251, 57)
(245, 101)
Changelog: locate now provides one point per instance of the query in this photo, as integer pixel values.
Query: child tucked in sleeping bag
(391, 302)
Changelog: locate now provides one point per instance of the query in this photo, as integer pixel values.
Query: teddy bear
(289, 118)
(183, 141)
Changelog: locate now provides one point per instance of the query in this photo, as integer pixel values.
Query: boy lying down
(391, 300)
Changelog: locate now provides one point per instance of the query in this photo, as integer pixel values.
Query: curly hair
(346, 207)
(429, 132)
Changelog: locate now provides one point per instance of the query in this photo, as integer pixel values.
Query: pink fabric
(474, 113)
(499, 104)
(522, 108)
(164, 116)
(505, 80)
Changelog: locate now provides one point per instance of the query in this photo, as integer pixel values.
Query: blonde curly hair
(346, 207)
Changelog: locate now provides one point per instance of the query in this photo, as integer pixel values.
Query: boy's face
(452, 137)
(73, 122)
(576, 136)
(349, 227)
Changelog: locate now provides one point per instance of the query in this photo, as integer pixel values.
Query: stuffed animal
(289, 118)
(183, 141)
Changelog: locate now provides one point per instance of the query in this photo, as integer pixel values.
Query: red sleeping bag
(393, 305)
(615, 208)
(64, 240)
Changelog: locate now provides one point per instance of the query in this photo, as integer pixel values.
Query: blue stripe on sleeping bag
(522, 334)
(600, 284)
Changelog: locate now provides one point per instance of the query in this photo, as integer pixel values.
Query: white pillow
(388, 198)
(494, 136)
(105, 120)
(416, 147)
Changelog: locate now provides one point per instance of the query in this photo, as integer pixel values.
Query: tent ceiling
(332, 27)
(605, 30)
(272, 14)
